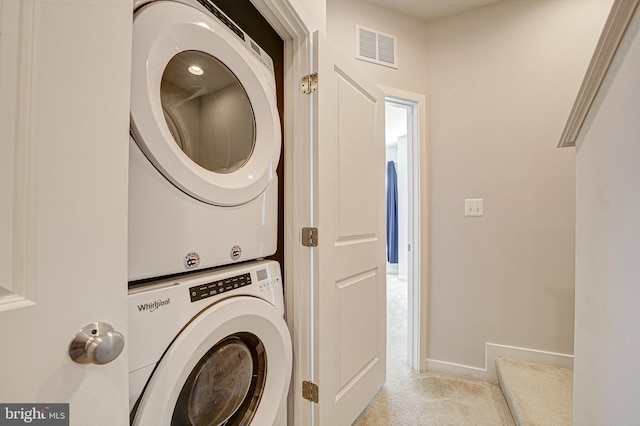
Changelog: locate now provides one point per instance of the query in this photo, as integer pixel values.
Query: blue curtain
(392, 213)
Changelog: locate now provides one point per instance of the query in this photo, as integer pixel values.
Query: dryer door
(203, 105)
(230, 365)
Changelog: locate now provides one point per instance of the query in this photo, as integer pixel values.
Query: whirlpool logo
(154, 306)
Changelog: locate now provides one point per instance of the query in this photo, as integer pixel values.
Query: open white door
(64, 84)
(349, 275)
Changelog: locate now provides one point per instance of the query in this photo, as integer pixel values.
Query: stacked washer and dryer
(208, 343)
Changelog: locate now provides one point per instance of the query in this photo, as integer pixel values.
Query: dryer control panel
(248, 42)
(222, 17)
(215, 288)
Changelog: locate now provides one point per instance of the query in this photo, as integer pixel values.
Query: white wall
(607, 341)
(342, 16)
(502, 80)
(402, 169)
(313, 13)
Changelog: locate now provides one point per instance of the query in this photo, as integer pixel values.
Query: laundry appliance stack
(208, 343)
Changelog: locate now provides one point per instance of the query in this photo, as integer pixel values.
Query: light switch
(474, 207)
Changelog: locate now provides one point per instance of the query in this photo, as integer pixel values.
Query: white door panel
(64, 79)
(350, 278)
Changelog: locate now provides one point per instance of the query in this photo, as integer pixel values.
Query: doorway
(403, 224)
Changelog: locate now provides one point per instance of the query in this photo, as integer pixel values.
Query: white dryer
(210, 348)
(205, 143)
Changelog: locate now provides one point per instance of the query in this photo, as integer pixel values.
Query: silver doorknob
(97, 343)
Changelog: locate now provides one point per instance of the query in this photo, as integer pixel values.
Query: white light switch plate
(474, 207)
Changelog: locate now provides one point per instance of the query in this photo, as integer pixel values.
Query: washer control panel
(267, 277)
(215, 288)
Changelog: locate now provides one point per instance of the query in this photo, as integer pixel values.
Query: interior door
(350, 274)
(64, 80)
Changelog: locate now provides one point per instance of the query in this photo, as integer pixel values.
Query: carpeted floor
(435, 399)
(537, 394)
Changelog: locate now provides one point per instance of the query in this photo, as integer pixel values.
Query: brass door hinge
(309, 84)
(310, 237)
(310, 391)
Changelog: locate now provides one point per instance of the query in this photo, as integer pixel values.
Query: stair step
(537, 394)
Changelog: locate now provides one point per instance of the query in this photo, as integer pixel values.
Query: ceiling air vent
(376, 47)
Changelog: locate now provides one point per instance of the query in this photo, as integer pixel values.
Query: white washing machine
(210, 348)
(205, 143)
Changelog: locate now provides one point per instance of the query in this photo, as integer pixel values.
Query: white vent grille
(376, 47)
(368, 44)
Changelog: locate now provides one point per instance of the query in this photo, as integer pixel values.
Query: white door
(350, 275)
(64, 80)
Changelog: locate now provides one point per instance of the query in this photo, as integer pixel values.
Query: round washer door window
(203, 377)
(225, 386)
(207, 111)
(203, 107)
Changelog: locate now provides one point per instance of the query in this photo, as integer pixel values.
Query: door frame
(293, 27)
(419, 258)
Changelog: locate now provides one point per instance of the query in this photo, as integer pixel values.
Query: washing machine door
(203, 104)
(230, 366)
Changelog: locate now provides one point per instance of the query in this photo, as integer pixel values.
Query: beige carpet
(430, 398)
(537, 394)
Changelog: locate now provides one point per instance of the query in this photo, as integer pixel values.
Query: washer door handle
(96, 343)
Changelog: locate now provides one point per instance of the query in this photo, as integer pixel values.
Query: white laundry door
(64, 80)
(350, 278)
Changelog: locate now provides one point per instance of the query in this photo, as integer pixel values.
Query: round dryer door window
(203, 104)
(208, 112)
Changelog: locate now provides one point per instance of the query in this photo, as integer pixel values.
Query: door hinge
(309, 83)
(310, 391)
(310, 237)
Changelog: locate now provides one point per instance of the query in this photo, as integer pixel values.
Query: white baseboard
(459, 370)
(494, 351)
